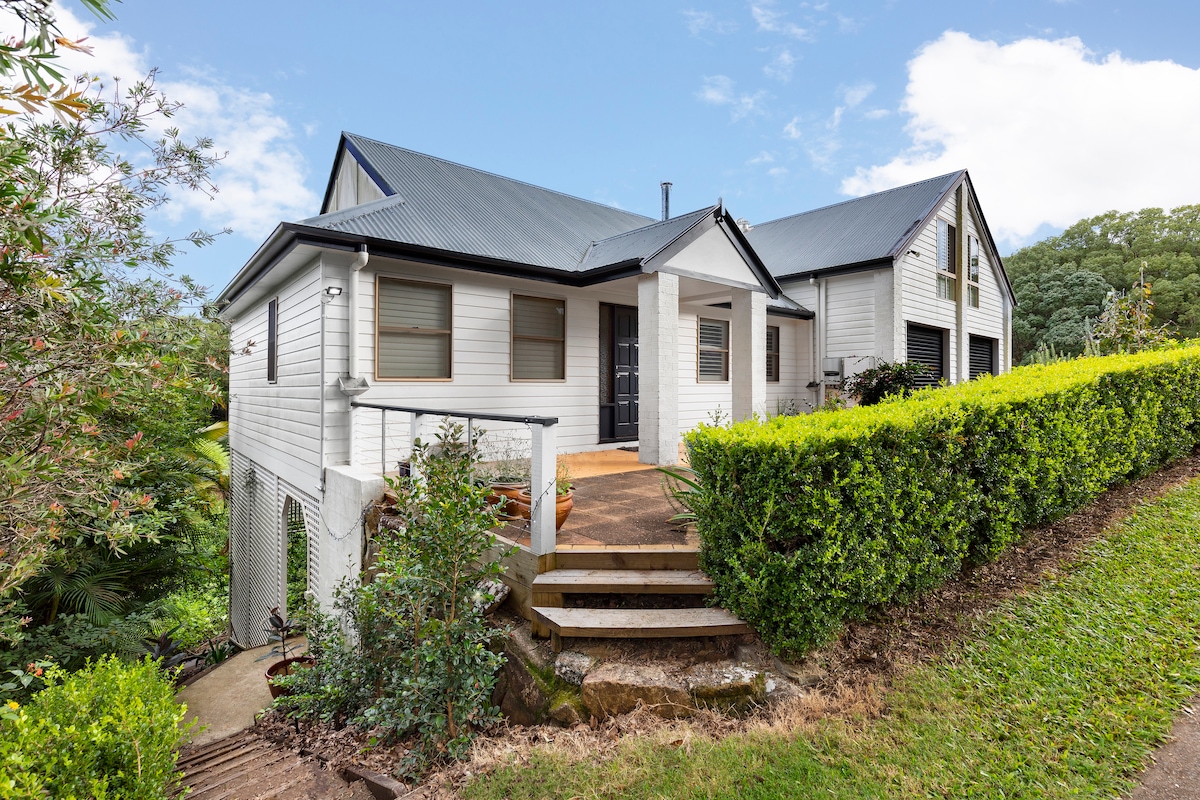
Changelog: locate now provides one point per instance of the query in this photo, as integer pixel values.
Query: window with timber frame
(413, 324)
(947, 260)
(539, 339)
(712, 352)
(973, 272)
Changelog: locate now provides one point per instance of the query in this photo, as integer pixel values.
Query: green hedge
(106, 731)
(807, 522)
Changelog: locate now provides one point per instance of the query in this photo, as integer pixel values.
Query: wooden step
(623, 581)
(638, 623)
(575, 557)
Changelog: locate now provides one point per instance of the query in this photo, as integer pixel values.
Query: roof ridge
(447, 161)
(862, 197)
(359, 210)
(700, 211)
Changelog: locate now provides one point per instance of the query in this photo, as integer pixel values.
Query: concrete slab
(229, 698)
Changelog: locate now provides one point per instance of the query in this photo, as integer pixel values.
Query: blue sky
(1059, 109)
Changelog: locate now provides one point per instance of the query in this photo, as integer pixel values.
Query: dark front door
(618, 373)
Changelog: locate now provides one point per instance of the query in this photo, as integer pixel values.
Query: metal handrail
(469, 415)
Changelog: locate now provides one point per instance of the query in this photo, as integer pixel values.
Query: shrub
(107, 731)
(416, 658)
(807, 522)
(886, 380)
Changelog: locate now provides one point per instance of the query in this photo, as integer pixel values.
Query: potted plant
(280, 630)
(507, 477)
(563, 502)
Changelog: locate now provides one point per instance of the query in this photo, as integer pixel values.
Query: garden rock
(726, 686)
(573, 667)
(523, 700)
(566, 713)
(616, 688)
(804, 673)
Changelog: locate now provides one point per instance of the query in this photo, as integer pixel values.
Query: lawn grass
(1061, 693)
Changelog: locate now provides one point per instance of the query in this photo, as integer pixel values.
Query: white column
(543, 489)
(348, 492)
(658, 368)
(748, 354)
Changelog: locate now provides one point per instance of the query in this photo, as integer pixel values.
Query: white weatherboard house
(425, 287)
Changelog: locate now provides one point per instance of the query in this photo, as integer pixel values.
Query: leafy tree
(1061, 283)
(103, 374)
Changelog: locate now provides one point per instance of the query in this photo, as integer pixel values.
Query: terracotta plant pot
(563, 504)
(285, 667)
(514, 508)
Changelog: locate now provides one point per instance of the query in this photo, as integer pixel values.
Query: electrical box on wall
(832, 368)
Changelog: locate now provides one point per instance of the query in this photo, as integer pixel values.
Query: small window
(413, 324)
(713, 351)
(972, 272)
(773, 353)
(272, 342)
(539, 339)
(947, 260)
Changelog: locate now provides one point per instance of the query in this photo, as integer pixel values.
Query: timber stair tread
(640, 623)
(632, 558)
(623, 581)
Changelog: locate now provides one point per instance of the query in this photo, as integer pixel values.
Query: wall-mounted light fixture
(915, 253)
(333, 291)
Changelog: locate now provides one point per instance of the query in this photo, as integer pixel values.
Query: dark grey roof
(641, 243)
(441, 205)
(859, 231)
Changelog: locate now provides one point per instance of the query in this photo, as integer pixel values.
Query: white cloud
(792, 129)
(699, 22)
(777, 171)
(260, 181)
(854, 95)
(718, 90)
(762, 158)
(876, 113)
(772, 21)
(1051, 132)
(780, 68)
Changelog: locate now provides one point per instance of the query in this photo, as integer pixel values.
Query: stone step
(623, 581)
(644, 557)
(637, 623)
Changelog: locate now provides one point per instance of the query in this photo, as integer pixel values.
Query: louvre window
(947, 260)
(272, 341)
(773, 353)
(413, 324)
(713, 352)
(539, 333)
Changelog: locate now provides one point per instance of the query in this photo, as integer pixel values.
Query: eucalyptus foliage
(409, 652)
(807, 522)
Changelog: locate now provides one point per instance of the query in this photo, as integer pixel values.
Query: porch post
(748, 354)
(658, 368)
(542, 487)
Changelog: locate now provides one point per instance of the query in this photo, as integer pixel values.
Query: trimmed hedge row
(807, 522)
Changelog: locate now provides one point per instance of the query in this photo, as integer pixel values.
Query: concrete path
(1175, 771)
(227, 699)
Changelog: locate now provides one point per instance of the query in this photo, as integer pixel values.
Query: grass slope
(1062, 693)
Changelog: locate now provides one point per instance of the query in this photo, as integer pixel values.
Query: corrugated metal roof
(446, 206)
(856, 231)
(643, 242)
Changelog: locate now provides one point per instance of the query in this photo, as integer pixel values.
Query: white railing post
(414, 433)
(542, 488)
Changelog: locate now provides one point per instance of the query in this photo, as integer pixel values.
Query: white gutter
(322, 299)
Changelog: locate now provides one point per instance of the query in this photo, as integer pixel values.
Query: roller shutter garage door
(983, 356)
(927, 346)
